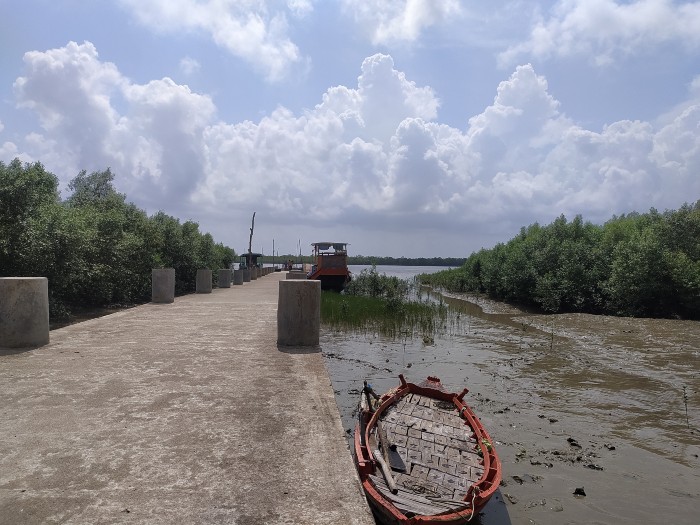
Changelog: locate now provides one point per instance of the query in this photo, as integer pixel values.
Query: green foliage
(387, 317)
(370, 283)
(95, 248)
(379, 303)
(637, 264)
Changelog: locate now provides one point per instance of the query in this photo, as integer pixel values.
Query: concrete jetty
(175, 413)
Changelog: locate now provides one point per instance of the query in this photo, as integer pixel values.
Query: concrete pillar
(253, 273)
(299, 313)
(203, 281)
(224, 279)
(24, 312)
(246, 275)
(237, 277)
(296, 275)
(163, 285)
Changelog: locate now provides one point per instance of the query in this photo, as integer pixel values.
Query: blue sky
(411, 127)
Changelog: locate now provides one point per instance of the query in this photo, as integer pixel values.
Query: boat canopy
(337, 246)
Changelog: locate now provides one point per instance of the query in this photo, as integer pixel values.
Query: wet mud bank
(588, 412)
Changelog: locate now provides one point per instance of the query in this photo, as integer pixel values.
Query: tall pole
(250, 243)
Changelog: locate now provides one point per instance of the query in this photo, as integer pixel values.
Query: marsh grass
(390, 318)
(376, 303)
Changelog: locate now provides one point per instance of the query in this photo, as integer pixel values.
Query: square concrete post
(299, 313)
(237, 277)
(224, 278)
(253, 273)
(24, 312)
(246, 275)
(163, 285)
(203, 281)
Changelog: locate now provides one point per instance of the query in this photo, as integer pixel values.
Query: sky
(413, 128)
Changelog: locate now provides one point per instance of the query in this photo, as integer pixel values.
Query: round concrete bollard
(163, 285)
(299, 313)
(224, 278)
(203, 281)
(246, 275)
(24, 312)
(237, 277)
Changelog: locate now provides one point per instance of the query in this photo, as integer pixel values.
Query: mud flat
(573, 402)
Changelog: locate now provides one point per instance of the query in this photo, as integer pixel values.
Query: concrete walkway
(179, 413)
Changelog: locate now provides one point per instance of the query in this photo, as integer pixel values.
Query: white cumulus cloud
(248, 29)
(607, 29)
(371, 156)
(189, 66)
(395, 21)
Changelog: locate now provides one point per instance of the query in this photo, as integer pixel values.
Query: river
(571, 401)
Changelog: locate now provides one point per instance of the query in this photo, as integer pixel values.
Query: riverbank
(572, 401)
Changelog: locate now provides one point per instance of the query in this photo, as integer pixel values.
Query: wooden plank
(386, 471)
(407, 500)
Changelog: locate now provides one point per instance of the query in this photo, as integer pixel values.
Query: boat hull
(450, 469)
(335, 283)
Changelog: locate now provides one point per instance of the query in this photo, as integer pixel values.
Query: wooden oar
(386, 471)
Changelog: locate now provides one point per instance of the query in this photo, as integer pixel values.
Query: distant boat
(331, 265)
(423, 456)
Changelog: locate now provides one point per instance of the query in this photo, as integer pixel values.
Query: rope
(417, 488)
(474, 491)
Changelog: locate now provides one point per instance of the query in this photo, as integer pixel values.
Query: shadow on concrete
(299, 349)
(14, 351)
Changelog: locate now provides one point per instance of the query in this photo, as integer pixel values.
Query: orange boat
(331, 265)
(423, 456)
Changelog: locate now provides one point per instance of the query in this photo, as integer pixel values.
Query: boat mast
(250, 242)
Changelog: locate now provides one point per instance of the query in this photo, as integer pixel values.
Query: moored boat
(423, 456)
(331, 265)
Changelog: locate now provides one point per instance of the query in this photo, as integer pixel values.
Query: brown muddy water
(571, 401)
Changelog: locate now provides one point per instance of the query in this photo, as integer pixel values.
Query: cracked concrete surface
(175, 413)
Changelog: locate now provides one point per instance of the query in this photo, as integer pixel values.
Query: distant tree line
(405, 261)
(370, 260)
(95, 248)
(645, 265)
